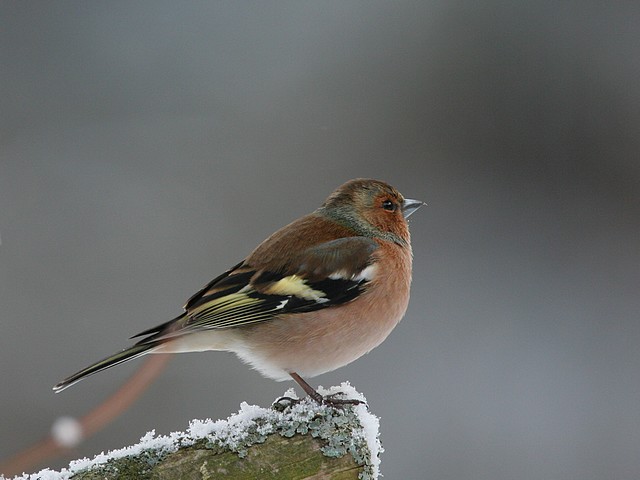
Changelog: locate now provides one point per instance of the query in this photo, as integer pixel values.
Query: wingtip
(66, 383)
(57, 388)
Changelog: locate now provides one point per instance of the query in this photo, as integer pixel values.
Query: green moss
(134, 467)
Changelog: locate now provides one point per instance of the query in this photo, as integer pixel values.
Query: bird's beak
(409, 206)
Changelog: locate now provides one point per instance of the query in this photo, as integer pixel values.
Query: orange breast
(317, 342)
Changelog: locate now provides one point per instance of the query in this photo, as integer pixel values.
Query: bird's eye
(388, 205)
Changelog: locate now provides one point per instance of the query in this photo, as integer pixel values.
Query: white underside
(201, 341)
(249, 357)
(222, 340)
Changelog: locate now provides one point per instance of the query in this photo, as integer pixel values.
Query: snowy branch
(303, 440)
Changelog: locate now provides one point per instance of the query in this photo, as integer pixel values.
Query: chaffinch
(314, 296)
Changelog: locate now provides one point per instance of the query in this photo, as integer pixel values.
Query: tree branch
(297, 441)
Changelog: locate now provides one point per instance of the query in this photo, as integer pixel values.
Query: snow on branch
(303, 440)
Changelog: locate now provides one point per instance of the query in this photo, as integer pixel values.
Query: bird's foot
(329, 400)
(282, 403)
(334, 402)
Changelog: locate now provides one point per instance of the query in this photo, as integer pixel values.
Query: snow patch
(237, 432)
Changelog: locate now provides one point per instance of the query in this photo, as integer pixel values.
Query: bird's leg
(308, 389)
(328, 400)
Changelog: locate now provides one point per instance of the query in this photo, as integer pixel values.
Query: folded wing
(322, 276)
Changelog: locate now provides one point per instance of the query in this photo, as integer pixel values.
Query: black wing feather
(327, 275)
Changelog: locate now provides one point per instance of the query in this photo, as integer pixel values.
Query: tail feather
(116, 359)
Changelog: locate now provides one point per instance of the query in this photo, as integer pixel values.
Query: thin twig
(92, 422)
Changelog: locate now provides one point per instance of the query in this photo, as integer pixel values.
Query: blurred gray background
(147, 146)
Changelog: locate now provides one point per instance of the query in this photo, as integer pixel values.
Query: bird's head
(372, 208)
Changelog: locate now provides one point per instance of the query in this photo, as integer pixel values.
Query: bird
(314, 296)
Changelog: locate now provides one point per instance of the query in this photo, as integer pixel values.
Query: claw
(326, 400)
(340, 402)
